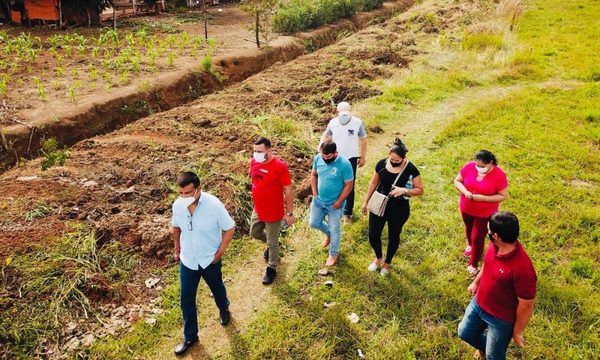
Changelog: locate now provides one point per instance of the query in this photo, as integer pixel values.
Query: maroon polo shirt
(505, 278)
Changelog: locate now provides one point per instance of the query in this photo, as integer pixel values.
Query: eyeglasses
(190, 227)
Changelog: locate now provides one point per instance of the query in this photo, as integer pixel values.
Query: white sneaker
(472, 270)
(373, 267)
(384, 272)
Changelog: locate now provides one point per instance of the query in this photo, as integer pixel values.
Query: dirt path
(248, 297)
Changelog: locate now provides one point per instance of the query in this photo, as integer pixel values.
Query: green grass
(547, 139)
(300, 15)
(563, 36)
(482, 41)
(55, 283)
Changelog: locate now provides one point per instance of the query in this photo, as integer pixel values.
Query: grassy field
(521, 81)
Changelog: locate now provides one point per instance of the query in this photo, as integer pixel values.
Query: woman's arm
(372, 186)
(499, 197)
(459, 184)
(417, 189)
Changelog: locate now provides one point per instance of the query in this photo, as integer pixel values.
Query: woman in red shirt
(482, 185)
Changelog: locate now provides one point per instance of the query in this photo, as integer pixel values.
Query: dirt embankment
(126, 105)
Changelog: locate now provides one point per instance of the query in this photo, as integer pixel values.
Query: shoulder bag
(378, 201)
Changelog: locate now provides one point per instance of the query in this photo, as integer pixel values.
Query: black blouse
(386, 178)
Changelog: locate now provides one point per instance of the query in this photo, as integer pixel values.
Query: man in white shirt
(348, 132)
(202, 230)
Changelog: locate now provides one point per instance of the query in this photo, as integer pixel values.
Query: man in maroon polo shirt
(271, 182)
(504, 292)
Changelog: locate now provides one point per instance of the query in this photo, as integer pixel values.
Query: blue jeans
(331, 228)
(189, 285)
(494, 341)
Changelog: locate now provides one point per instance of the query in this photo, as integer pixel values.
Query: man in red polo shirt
(504, 292)
(271, 182)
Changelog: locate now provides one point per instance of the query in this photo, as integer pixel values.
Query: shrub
(301, 15)
(53, 156)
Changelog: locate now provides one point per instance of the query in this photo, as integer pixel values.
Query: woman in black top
(397, 210)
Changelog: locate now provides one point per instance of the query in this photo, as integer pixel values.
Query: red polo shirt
(505, 277)
(268, 181)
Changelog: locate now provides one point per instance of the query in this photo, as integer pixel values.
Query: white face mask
(481, 169)
(186, 201)
(260, 157)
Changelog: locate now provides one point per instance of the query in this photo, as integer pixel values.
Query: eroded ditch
(24, 141)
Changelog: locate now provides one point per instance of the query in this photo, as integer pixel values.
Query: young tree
(261, 11)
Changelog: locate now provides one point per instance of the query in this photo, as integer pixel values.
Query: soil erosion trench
(24, 140)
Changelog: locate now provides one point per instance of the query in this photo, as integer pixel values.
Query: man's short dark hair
(328, 147)
(263, 141)
(188, 177)
(506, 225)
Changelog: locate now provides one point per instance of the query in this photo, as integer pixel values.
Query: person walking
(398, 178)
(482, 186)
(202, 230)
(273, 197)
(331, 183)
(503, 292)
(349, 134)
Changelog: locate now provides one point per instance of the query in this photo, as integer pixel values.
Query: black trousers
(350, 199)
(395, 217)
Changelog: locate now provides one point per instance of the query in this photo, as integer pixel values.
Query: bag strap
(397, 177)
(400, 173)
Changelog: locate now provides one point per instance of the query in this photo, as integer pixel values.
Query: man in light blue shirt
(202, 230)
(331, 183)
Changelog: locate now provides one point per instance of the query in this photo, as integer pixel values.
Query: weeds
(207, 63)
(299, 15)
(53, 155)
(482, 40)
(58, 287)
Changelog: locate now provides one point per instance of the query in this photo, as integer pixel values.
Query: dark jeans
(395, 217)
(189, 285)
(350, 199)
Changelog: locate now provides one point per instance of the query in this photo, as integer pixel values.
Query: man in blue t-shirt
(331, 183)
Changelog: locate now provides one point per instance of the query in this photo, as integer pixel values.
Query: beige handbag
(378, 201)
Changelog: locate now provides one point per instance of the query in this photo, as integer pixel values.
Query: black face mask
(396, 164)
(330, 160)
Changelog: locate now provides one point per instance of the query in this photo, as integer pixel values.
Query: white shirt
(346, 135)
(201, 233)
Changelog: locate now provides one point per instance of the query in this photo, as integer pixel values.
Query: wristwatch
(289, 214)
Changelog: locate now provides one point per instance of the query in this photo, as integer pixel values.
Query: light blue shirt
(201, 234)
(332, 177)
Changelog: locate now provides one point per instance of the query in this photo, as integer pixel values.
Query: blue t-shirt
(332, 177)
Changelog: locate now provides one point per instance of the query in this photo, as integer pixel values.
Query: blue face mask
(344, 118)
